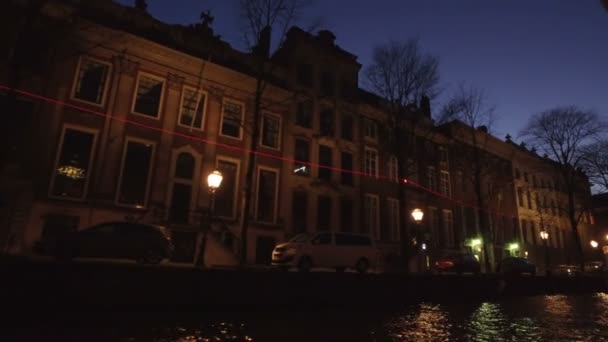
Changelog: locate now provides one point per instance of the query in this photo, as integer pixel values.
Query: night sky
(527, 55)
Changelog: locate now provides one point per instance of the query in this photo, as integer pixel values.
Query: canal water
(541, 318)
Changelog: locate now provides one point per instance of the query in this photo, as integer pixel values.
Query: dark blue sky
(527, 55)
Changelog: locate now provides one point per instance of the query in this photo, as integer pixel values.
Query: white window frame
(393, 168)
(84, 129)
(105, 87)
(374, 230)
(122, 165)
(431, 174)
(236, 187)
(373, 163)
(262, 128)
(370, 129)
(276, 193)
(242, 104)
(199, 92)
(162, 95)
(193, 182)
(448, 230)
(394, 222)
(445, 185)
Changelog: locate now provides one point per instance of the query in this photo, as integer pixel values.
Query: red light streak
(236, 148)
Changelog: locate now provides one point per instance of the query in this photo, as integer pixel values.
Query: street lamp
(214, 180)
(545, 237)
(594, 244)
(417, 215)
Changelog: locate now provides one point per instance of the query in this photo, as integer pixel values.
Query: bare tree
(469, 106)
(260, 17)
(595, 164)
(562, 133)
(404, 77)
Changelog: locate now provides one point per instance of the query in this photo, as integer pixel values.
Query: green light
(513, 246)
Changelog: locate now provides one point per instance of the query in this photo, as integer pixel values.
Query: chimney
(326, 37)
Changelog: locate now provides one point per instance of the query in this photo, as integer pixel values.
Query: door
(180, 203)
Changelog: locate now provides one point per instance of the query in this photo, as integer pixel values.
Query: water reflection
(425, 323)
(213, 332)
(490, 323)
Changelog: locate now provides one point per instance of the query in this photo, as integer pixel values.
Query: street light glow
(214, 180)
(475, 242)
(513, 246)
(594, 244)
(417, 214)
(544, 235)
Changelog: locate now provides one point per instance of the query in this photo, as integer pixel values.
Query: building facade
(130, 115)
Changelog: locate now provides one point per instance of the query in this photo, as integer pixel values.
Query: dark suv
(144, 243)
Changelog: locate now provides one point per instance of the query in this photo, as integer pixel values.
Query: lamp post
(214, 180)
(545, 237)
(417, 215)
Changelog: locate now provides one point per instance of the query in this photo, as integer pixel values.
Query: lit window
(371, 162)
(73, 162)
(148, 96)
(232, 118)
(192, 112)
(91, 81)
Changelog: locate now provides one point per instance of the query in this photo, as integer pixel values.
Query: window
(299, 212)
(370, 129)
(192, 112)
(524, 230)
(533, 232)
(542, 183)
(271, 131)
(371, 162)
(529, 199)
(135, 175)
(302, 157)
(448, 228)
(226, 195)
(91, 81)
(148, 95)
(539, 207)
(327, 84)
(324, 213)
(534, 180)
(325, 162)
(346, 214)
(232, 117)
(304, 76)
(412, 170)
(393, 168)
(443, 155)
(73, 163)
(553, 208)
(393, 218)
(326, 122)
(347, 167)
(322, 239)
(520, 197)
(444, 178)
(181, 188)
(526, 177)
(371, 217)
(304, 114)
(431, 178)
(463, 181)
(347, 127)
(517, 174)
(545, 204)
(267, 195)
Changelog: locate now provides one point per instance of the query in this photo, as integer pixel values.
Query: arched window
(184, 166)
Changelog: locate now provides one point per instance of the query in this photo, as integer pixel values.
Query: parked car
(594, 267)
(144, 243)
(340, 251)
(458, 262)
(516, 266)
(566, 270)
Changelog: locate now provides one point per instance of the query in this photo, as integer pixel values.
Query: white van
(327, 250)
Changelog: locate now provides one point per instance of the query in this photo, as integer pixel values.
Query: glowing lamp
(513, 246)
(544, 235)
(214, 180)
(417, 214)
(594, 244)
